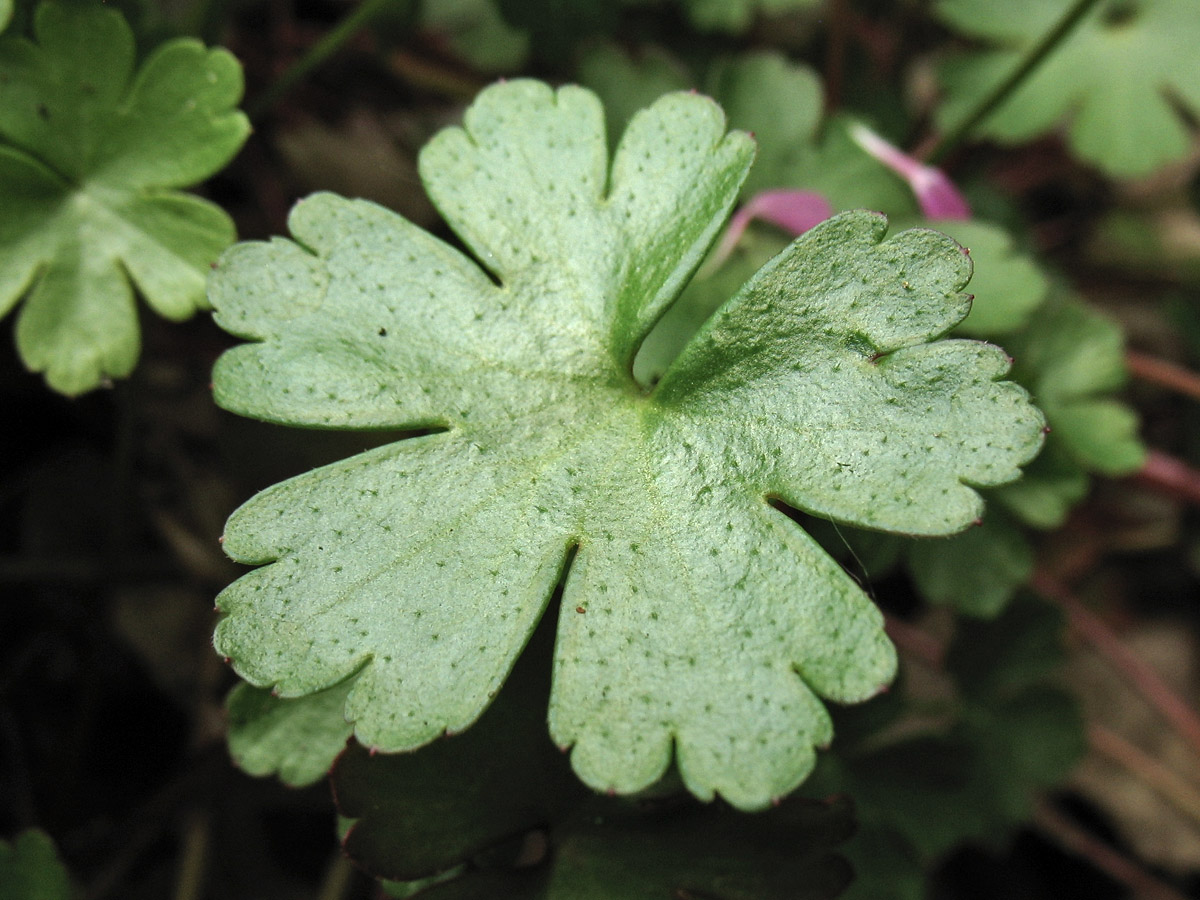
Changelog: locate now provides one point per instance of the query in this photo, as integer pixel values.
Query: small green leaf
(297, 739)
(976, 572)
(94, 152)
(781, 102)
(6, 13)
(697, 619)
(31, 870)
(628, 83)
(1072, 358)
(1014, 735)
(476, 30)
(1007, 286)
(681, 851)
(735, 16)
(419, 814)
(1117, 76)
(1047, 490)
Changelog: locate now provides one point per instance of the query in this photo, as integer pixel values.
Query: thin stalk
(1168, 784)
(1108, 860)
(915, 641)
(1035, 57)
(835, 60)
(1164, 374)
(316, 55)
(1170, 476)
(1141, 677)
(339, 878)
(193, 862)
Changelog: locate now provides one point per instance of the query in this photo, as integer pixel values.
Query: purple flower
(936, 193)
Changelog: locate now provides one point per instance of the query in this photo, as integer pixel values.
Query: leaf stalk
(317, 54)
(1001, 92)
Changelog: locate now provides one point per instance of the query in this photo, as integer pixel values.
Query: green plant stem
(1089, 627)
(316, 55)
(1001, 92)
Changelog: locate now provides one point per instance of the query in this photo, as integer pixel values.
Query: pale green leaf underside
(296, 739)
(695, 616)
(1116, 77)
(93, 154)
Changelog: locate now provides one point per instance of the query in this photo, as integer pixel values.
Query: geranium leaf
(977, 572)
(418, 814)
(685, 851)
(1072, 358)
(1007, 286)
(696, 617)
(735, 16)
(297, 739)
(1117, 76)
(31, 870)
(1048, 488)
(91, 155)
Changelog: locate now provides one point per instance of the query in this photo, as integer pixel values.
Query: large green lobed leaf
(697, 619)
(90, 156)
(1119, 76)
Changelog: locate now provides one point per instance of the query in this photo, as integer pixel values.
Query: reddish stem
(1091, 628)
(914, 641)
(1170, 476)
(1166, 782)
(1116, 865)
(1164, 374)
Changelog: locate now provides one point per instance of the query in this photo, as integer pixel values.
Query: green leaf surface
(1118, 76)
(556, 26)
(920, 796)
(463, 798)
(736, 16)
(781, 103)
(476, 30)
(689, 851)
(1007, 285)
(1020, 649)
(90, 155)
(31, 870)
(1047, 490)
(697, 619)
(1072, 358)
(6, 13)
(297, 739)
(628, 83)
(976, 572)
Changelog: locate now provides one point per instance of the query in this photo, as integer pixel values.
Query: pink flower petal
(793, 211)
(935, 192)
